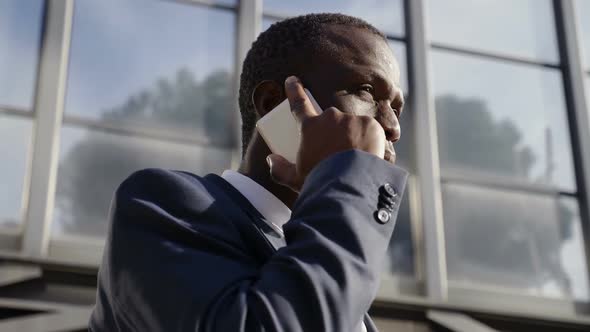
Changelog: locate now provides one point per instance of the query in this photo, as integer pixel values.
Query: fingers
(283, 172)
(300, 104)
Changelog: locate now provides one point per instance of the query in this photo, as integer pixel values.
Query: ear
(266, 96)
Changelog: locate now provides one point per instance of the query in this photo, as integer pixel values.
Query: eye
(367, 88)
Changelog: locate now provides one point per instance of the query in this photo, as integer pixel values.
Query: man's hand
(323, 135)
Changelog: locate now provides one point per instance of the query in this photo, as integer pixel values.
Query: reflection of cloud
(121, 46)
(532, 98)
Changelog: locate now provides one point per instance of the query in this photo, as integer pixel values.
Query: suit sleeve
(323, 280)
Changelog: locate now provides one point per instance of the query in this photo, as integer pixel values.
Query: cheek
(353, 105)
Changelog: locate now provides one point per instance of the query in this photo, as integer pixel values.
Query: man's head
(345, 63)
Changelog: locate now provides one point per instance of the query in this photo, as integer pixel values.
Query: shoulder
(162, 184)
(175, 192)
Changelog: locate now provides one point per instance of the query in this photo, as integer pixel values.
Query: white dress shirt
(274, 211)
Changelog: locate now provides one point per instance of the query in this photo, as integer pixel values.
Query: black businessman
(274, 246)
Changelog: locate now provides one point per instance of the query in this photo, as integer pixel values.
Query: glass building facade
(496, 138)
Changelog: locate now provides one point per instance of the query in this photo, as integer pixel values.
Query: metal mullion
(579, 118)
(396, 38)
(205, 3)
(274, 16)
(249, 22)
(13, 111)
(427, 155)
(505, 183)
(143, 132)
(493, 55)
(49, 100)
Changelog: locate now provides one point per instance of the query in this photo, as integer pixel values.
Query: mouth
(390, 154)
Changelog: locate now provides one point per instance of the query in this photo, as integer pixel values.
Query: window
(523, 28)
(20, 40)
(510, 198)
(150, 85)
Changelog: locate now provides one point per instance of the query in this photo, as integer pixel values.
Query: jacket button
(383, 216)
(388, 190)
(387, 201)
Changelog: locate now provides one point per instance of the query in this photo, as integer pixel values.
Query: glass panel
(154, 64)
(20, 33)
(386, 15)
(497, 118)
(15, 139)
(93, 164)
(522, 241)
(399, 50)
(582, 9)
(524, 28)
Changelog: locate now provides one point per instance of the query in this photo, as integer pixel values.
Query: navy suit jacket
(190, 253)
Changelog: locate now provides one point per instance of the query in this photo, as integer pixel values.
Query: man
(276, 246)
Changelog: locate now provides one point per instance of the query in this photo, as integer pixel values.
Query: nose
(389, 121)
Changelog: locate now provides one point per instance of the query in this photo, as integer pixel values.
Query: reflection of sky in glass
(583, 9)
(522, 28)
(20, 30)
(529, 97)
(386, 15)
(15, 135)
(121, 47)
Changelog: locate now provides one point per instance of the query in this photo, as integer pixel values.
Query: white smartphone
(280, 129)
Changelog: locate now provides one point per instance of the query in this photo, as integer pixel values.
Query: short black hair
(273, 54)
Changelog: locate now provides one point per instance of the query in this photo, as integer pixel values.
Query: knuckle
(331, 112)
(298, 103)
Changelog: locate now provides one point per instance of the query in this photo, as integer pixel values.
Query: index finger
(299, 102)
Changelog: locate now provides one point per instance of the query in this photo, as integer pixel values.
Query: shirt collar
(274, 211)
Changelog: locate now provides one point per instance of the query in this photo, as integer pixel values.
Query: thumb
(283, 172)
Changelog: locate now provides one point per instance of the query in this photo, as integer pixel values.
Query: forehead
(362, 50)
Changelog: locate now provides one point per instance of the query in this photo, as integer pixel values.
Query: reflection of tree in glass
(95, 166)
(470, 140)
(183, 104)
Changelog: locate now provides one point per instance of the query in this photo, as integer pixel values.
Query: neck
(255, 167)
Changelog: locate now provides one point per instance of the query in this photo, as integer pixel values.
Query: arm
(327, 276)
